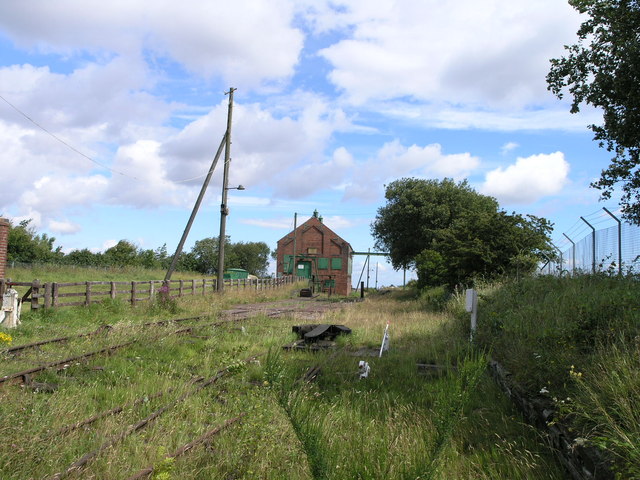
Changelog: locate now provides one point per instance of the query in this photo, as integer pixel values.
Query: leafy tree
(603, 69)
(123, 254)
(251, 256)
(450, 233)
(205, 253)
(83, 258)
(163, 260)
(147, 259)
(25, 245)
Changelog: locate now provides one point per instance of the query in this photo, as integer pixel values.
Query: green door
(304, 269)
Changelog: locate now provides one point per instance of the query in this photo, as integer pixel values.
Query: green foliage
(26, 246)
(450, 233)
(606, 403)
(250, 256)
(577, 341)
(602, 69)
(435, 298)
(122, 254)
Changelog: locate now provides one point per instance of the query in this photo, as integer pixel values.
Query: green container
(235, 273)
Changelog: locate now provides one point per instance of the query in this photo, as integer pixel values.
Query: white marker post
(471, 306)
(385, 341)
(11, 307)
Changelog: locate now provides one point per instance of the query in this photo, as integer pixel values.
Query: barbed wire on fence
(585, 248)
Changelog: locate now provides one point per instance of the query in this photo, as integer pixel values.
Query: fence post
(573, 254)
(112, 290)
(133, 293)
(204, 285)
(193, 286)
(619, 239)
(593, 245)
(87, 297)
(35, 293)
(181, 288)
(47, 295)
(54, 294)
(561, 259)
(152, 289)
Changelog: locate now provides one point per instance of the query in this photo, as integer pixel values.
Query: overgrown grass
(400, 423)
(575, 340)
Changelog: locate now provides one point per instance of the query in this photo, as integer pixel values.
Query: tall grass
(399, 423)
(574, 340)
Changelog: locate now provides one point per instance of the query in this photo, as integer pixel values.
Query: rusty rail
(85, 459)
(145, 472)
(24, 373)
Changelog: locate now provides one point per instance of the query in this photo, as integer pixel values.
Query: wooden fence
(58, 294)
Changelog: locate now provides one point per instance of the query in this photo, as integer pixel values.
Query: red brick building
(320, 255)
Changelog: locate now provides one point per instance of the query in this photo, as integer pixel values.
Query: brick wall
(4, 242)
(313, 234)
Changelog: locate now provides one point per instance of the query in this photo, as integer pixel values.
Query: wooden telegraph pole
(224, 211)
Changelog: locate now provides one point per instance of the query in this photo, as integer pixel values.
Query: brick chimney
(4, 243)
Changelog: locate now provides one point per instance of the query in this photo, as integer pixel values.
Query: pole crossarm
(379, 254)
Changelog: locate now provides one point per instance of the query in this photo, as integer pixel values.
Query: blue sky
(334, 100)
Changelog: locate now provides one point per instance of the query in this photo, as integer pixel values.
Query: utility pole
(294, 272)
(224, 211)
(368, 268)
(376, 275)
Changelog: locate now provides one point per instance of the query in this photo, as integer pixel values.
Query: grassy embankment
(399, 423)
(577, 341)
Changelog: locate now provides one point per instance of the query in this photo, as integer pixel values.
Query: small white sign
(471, 305)
(471, 293)
(363, 368)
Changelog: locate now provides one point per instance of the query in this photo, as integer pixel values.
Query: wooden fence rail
(68, 294)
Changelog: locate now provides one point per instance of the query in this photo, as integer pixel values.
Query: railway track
(171, 394)
(27, 374)
(131, 429)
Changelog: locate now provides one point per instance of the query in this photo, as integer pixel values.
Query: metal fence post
(619, 239)
(593, 245)
(573, 254)
(561, 259)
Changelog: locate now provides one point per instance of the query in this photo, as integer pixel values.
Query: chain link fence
(598, 242)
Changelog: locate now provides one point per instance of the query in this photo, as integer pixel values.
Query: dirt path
(307, 309)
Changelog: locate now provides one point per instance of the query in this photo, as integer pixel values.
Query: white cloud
(146, 184)
(494, 53)
(529, 179)
(49, 195)
(106, 245)
(249, 44)
(275, 223)
(508, 147)
(266, 149)
(64, 227)
(337, 222)
(395, 160)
